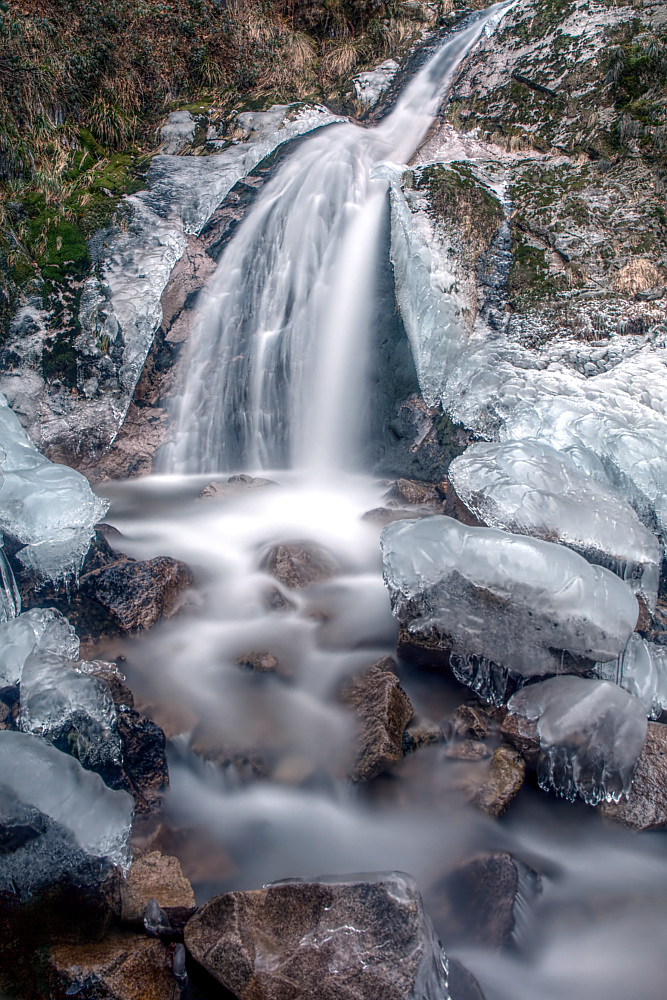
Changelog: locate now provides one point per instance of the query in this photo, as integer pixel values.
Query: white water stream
(275, 386)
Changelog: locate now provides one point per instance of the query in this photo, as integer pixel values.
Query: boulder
(159, 877)
(383, 710)
(646, 805)
(462, 983)
(234, 486)
(259, 662)
(287, 939)
(299, 564)
(522, 734)
(497, 783)
(473, 905)
(137, 595)
(145, 771)
(124, 966)
(418, 494)
(385, 515)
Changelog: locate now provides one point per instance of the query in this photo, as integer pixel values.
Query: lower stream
(591, 926)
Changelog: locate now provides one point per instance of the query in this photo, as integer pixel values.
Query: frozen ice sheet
(55, 783)
(591, 734)
(528, 487)
(50, 508)
(510, 599)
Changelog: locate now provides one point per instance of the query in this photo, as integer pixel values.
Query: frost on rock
(642, 670)
(57, 785)
(530, 488)
(71, 709)
(369, 87)
(40, 629)
(591, 734)
(50, 508)
(510, 601)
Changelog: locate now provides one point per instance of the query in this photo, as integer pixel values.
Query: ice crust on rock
(513, 601)
(369, 87)
(98, 818)
(70, 707)
(50, 508)
(40, 629)
(591, 735)
(530, 488)
(641, 669)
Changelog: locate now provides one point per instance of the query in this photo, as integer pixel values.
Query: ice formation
(369, 87)
(72, 709)
(43, 629)
(530, 488)
(50, 508)
(10, 599)
(514, 601)
(55, 783)
(591, 733)
(642, 670)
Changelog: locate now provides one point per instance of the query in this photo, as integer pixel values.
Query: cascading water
(276, 371)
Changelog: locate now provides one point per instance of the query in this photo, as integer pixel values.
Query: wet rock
(275, 600)
(383, 710)
(474, 904)
(111, 676)
(427, 649)
(646, 805)
(469, 721)
(521, 733)
(157, 876)
(455, 507)
(385, 515)
(418, 493)
(137, 595)
(124, 966)
(234, 486)
(247, 761)
(420, 734)
(299, 564)
(467, 750)
(495, 784)
(145, 772)
(286, 940)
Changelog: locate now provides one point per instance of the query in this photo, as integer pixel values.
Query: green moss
(455, 195)
(59, 360)
(529, 278)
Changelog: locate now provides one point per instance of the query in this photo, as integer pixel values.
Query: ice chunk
(55, 783)
(40, 628)
(528, 487)
(591, 734)
(509, 599)
(50, 508)
(10, 599)
(72, 709)
(642, 670)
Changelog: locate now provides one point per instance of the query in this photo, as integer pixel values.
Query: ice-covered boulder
(642, 670)
(501, 600)
(49, 508)
(72, 709)
(54, 783)
(43, 629)
(591, 734)
(370, 86)
(530, 488)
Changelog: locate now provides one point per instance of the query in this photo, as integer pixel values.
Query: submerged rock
(234, 486)
(383, 710)
(299, 564)
(347, 938)
(475, 903)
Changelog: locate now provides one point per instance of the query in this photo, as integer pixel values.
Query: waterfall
(275, 373)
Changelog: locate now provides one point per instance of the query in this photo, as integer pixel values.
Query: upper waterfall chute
(278, 357)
